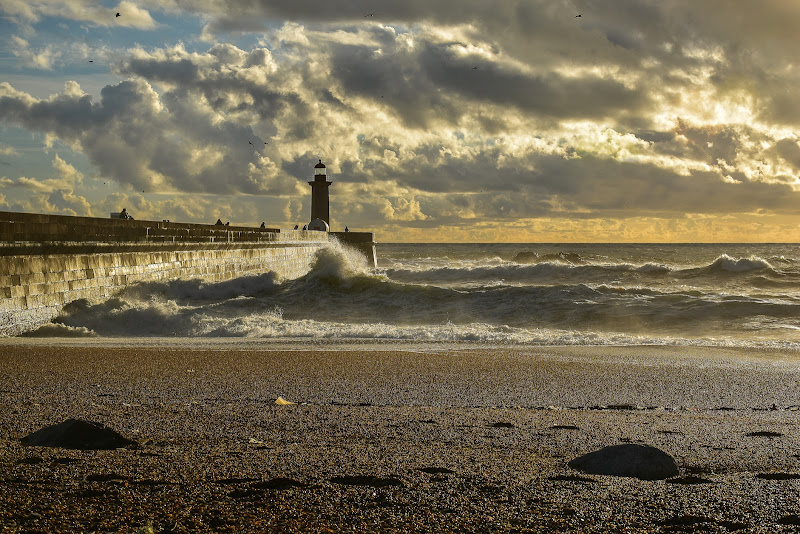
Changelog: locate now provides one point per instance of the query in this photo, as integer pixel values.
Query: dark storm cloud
(65, 115)
(789, 151)
(711, 144)
(604, 185)
(398, 81)
(549, 94)
(431, 82)
(178, 71)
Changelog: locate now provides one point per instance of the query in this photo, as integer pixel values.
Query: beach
(395, 437)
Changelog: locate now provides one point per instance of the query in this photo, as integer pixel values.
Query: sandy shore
(399, 438)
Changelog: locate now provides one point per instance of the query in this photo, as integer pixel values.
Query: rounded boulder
(627, 460)
(77, 434)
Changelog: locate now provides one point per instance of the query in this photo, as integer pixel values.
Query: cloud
(52, 195)
(150, 144)
(88, 11)
(38, 59)
(67, 172)
(58, 202)
(403, 210)
(66, 179)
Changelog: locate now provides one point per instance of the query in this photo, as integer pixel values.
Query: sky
(438, 120)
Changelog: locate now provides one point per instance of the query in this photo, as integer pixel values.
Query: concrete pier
(47, 261)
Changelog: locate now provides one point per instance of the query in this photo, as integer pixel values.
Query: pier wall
(48, 261)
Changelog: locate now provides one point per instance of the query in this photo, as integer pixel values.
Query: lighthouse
(320, 202)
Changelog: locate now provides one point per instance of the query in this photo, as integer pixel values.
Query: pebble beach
(396, 437)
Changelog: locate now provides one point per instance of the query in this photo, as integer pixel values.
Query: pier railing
(27, 229)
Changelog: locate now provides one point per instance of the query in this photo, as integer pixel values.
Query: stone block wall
(47, 261)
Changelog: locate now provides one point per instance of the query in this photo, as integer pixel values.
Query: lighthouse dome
(319, 224)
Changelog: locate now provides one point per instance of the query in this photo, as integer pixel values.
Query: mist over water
(500, 293)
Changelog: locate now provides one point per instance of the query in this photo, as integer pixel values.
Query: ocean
(515, 294)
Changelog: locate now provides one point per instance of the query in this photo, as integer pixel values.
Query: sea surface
(531, 294)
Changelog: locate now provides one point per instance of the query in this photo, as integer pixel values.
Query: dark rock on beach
(77, 434)
(629, 460)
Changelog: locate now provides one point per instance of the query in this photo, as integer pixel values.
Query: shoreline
(442, 439)
(758, 351)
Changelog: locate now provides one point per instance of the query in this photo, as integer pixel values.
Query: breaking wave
(740, 265)
(547, 270)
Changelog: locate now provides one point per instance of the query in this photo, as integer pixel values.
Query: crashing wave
(740, 265)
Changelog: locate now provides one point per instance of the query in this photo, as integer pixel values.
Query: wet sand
(396, 438)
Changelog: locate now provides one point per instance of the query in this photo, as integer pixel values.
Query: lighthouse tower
(320, 202)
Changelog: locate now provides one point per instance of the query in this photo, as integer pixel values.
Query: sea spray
(338, 261)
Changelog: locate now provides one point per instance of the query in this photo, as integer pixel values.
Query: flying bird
(117, 14)
(251, 143)
(578, 15)
(91, 61)
(474, 68)
(369, 15)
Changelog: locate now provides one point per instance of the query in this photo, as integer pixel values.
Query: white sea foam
(60, 330)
